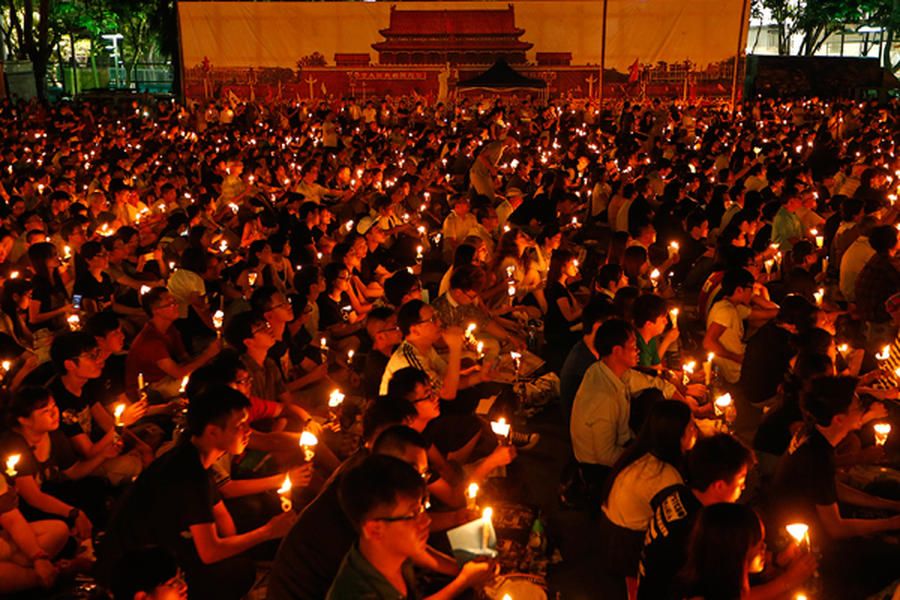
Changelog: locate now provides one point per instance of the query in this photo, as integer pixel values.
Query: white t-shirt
(730, 317)
(628, 504)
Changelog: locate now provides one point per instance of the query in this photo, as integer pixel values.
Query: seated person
(158, 353)
(384, 499)
(27, 549)
(805, 489)
(651, 317)
(381, 326)
(174, 504)
(84, 419)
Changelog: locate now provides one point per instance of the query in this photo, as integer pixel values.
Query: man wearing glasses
(385, 500)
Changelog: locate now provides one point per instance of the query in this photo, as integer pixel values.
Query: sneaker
(524, 441)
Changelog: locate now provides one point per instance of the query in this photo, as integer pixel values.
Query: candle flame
(308, 439)
(285, 486)
(473, 490)
(11, 461)
(118, 411)
(335, 399)
(798, 531)
(884, 354)
(724, 401)
(487, 514)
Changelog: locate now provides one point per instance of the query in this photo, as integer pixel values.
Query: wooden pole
(602, 56)
(738, 51)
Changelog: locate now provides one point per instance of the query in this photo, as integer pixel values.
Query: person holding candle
(175, 505)
(725, 322)
(805, 489)
(564, 310)
(27, 549)
(384, 499)
(85, 420)
(159, 352)
(651, 318)
(50, 300)
(855, 257)
(787, 229)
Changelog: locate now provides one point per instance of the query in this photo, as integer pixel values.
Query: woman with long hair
(50, 300)
(650, 465)
(563, 308)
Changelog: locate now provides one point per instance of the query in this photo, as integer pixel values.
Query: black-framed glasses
(430, 394)
(264, 326)
(94, 354)
(415, 514)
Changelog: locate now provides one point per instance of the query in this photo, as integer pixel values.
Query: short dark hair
(384, 412)
(614, 332)
(151, 299)
(240, 328)
(25, 401)
(608, 274)
(398, 285)
(261, 298)
(404, 381)
(101, 324)
(69, 345)
(647, 308)
(597, 310)
(378, 481)
(716, 458)
(409, 315)
(213, 406)
(396, 439)
(883, 238)
(827, 397)
(736, 278)
(222, 369)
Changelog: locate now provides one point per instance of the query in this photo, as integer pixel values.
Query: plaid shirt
(878, 281)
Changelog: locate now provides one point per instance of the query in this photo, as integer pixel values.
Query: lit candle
(501, 428)
(517, 361)
(218, 320)
(308, 443)
(335, 399)
(350, 354)
(673, 247)
(800, 533)
(819, 295)
(11, 461)
(14, 275)
(770, 263)
(470, 333)
(844, 349)
(6, 365)
(654, 277)
(511, 292)
(251, 278)
(67, 252)
(688, 370)
(472, 496)
(184, 383)
(323, 349)
(487, 526)
(479, 347)
(140, 381)
(118, 411)
(884, 354)
(285, 492)
(74, 322)
(223, 246)
(673, 314)
(419, 254)
(882, 431)
(707, 368)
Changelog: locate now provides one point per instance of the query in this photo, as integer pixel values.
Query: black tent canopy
(501, 77)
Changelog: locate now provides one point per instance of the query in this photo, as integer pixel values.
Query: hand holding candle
(487, 527)
(673, 315)
(335, 399)
(501, 428)
(800, 533)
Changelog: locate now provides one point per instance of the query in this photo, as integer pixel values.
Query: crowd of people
(247, 344)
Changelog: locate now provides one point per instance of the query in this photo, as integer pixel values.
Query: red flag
(634, 71)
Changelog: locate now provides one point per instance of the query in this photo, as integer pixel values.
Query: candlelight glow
(500, 427)
(11, 461)
(882, 431)
(884, 354)
(335, 399)
(285, 492)
(799, 531)
(118, 411)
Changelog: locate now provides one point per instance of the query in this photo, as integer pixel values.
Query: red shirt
(149, 347)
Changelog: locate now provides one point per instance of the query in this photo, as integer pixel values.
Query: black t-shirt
(61, 457)
(767, 360)
(330, 311)
(74, 411)
(49, 296)
(172, 494)
(665, 545)
(310, 554)
(804, 479)
(101, 292)
(376, 363)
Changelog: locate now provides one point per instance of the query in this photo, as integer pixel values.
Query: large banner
(315, 49)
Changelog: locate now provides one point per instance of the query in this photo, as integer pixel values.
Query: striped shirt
(406, 355)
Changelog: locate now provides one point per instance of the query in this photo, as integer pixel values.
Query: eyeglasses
(430, 394)
(242, 381)
(94, 354)
(279, 305)
(168, 304)
(432, 319)
(264, 326)
(415, 514)
(387, 330)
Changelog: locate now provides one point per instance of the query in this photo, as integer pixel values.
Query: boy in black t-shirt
(175, 504)
(717, 472)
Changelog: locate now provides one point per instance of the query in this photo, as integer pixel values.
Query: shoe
(524, 441)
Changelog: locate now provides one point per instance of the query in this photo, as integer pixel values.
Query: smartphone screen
(76, 301)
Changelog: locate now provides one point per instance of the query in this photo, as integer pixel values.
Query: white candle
(218, 320)
(140, 381)
(308, 443)
(819, 296)
(654, 277)
(882, 431)
(118, 411)
(688, 370)
(472, 496)
(707, 367)
(11, 462)
(184, 383)
(335, 399)
(486, 526)
(285, 492)
(350, 354)
(479, 347)
(673, 314)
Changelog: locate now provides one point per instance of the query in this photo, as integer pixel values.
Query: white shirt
(629, 499)
(406, 355)
(730, 317)
(599, 426)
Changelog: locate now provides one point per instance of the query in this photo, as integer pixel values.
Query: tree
(135, 19)
(28, 36)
